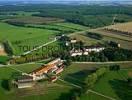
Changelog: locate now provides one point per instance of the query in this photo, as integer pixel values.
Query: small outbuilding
(25, 82)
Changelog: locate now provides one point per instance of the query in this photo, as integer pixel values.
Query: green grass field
(92, 96)
(113, 85)
(26, 36)
(109, 85)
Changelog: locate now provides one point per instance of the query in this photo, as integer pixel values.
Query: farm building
(42, 72)
(25, 82)
(73, 41)
(28, 80)
(86, 50)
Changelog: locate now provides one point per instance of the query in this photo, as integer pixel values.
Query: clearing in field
(2, 50)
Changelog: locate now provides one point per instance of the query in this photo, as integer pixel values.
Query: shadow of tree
(70, 95)
(5, 84)
(122, 89)
(78, 78)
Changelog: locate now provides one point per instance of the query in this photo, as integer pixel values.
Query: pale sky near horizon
(66, 0)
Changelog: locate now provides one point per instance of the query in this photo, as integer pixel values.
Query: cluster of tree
(94, 35)
(28, 58)
(118, 54)
(8, 47)
(6, 84)
(91, 79)
(112, 44)
(109, 54)
(16, 23)
(119, 20)
(129, 81)
(127, 33)
(53, 28)
(114, 67)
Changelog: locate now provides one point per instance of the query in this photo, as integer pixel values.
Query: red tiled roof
(43, 69)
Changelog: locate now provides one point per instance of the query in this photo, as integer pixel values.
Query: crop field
(90, 41)
(120, 29)
(34, 20)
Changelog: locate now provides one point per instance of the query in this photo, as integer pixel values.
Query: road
(97, 93)
(113, 62)
(28, 52)
(110, 62)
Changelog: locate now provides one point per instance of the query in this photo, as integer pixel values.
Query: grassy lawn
(3, 59)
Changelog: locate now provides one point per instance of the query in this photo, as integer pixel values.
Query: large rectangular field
(21, 36)
(34, 20)
(125, 28)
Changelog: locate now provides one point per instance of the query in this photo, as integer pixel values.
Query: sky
(67, 0)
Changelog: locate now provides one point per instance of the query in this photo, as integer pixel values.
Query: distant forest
(91, 16)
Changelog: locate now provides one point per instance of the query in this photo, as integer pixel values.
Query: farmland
(106, 37)
(76, 73)
(122, 29)
(34, 20)
(24, 35)
(59, 89)
(48, 91)
(36, 34)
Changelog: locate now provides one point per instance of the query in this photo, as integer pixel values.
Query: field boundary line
(70, 83)
(97, 93)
